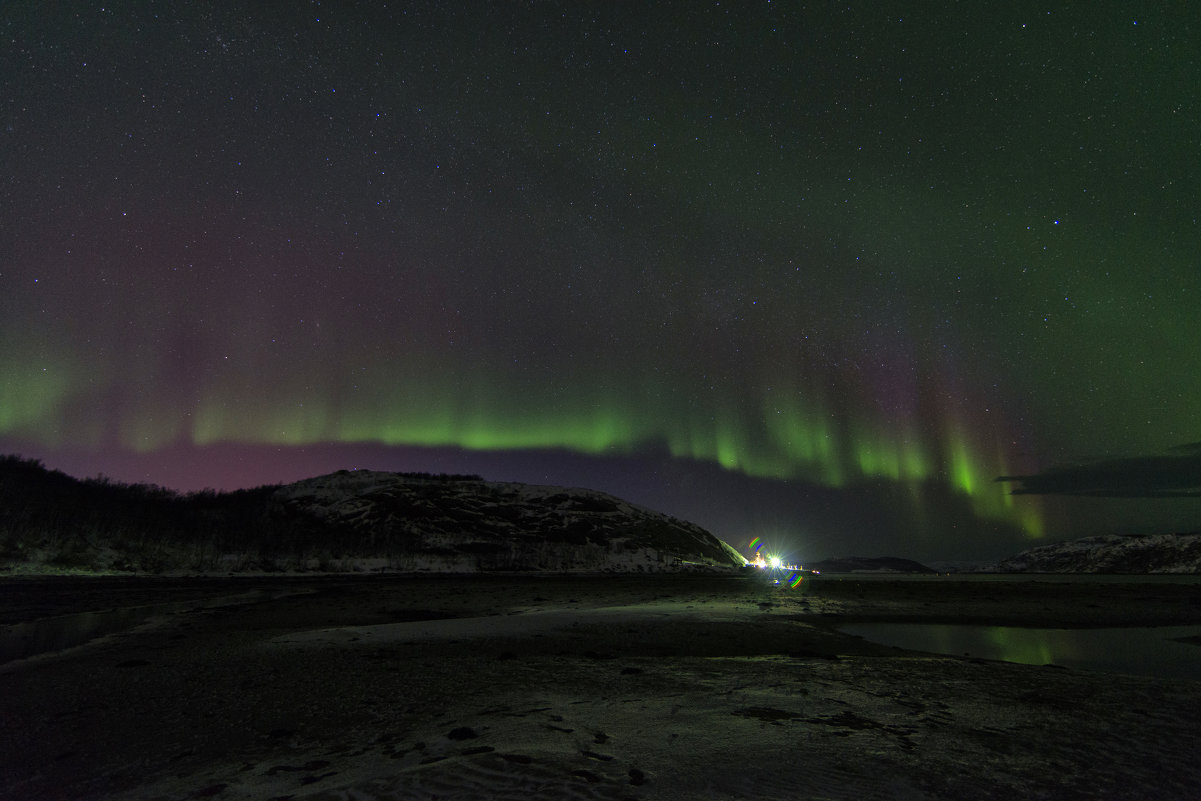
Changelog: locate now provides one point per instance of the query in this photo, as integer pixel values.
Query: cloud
(1173, 474)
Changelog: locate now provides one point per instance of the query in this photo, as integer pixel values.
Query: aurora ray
(822, 273)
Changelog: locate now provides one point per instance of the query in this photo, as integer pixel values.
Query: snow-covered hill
(1147, 553)
(349, 521)
(437, 523)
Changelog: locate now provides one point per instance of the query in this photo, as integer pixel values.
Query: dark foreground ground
(597, 688)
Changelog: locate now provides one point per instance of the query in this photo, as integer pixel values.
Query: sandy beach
(378, 687)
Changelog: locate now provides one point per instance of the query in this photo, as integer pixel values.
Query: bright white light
(775, 562)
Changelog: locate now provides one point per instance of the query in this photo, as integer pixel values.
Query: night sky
(794, 271)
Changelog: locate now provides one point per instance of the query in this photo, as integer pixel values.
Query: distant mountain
(1135, 554)
(345, 521)
(862, 564)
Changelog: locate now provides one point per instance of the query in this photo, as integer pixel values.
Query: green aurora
(854, 262)
(781, 436)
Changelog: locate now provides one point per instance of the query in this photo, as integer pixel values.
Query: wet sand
(540, 687)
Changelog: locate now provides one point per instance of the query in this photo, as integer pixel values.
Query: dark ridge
(878, 564)
(403, 522)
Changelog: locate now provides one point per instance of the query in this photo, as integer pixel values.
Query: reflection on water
(58, 633)
(1155, 651)
(1023, 578)
(67, 631)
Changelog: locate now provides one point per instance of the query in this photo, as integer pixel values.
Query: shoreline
(609, 687)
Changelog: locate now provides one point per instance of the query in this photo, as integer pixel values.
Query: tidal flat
(549, 687)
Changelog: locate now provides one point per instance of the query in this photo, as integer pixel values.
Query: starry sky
(807, 272)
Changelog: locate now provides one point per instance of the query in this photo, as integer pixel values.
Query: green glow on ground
(1027, 646)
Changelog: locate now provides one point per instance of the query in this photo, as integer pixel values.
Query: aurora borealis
(795, 271)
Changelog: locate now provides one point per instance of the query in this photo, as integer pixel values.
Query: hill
(345, 521)
(1131, 554)
(863, 564)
